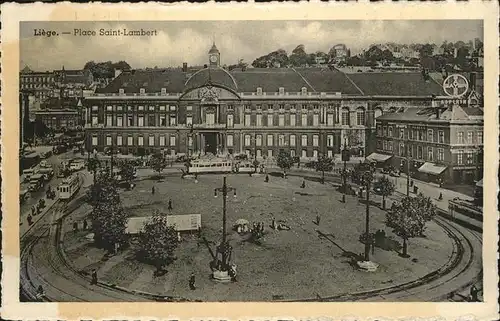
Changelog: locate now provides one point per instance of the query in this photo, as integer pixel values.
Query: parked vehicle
(36, 182)
(28, 173)
(76, 165)
(244, 167)
(46, 154)
(210, 166)
(47, 173)
(23, 195)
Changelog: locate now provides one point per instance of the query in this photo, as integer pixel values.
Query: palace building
(257, 111)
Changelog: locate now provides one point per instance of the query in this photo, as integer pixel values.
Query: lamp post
(345, 158)
(367, 176)
(224, 248)
(406, 145)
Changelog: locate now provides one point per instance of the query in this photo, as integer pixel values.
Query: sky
(189, 41)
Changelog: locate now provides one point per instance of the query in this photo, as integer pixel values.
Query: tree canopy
(108, 218)
(105, 69)
(408, 218)
(324, 164)
(386, 187)
(158, 162)
(158, 241)
(284, 161)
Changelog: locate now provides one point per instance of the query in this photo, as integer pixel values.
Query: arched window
(345, 116)
(378, 112)
(360, 116)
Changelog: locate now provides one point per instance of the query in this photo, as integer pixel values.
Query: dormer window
(259, 91)
(142, 91)
(281, 91)
(304, 107)
(303, 91)
(270, 108)
(121, 91)
(163, 91)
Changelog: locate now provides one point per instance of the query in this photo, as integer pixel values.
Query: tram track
(463, 256)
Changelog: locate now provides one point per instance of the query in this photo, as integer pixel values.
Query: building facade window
(389, 131)
(441, 136)
(292, 140)
(315, 120)
(292, 152)
(95, 120)
(430, 135)
(360, 117)
(304, 140)
(162, 140)
(151, 141)
(470, 158)
(419, 152)
(402, 133)
(469, 137)
(304, 153)
(281, 91)
(109, 120)
(247, 119)
(230, 140)
(151, 120)
(329, 140)
(119, 121)
(430, 154)
(345, 116)
(190, 108)
(172, 140)
(94, 141)
(315, 140)
(281, 120)
(130, 120)
(210, 119)
(140, 121)
(270, 120)
(130, 141)
(460, 137)
(269, 140)
(329, 119)
(119, 140)
(163, 120)
(479, 137)
(281, 140)
(303, 121)
(440, 154)
(258, 140)
(189, 120)
(269, 153)
(293, 119)
(402, 149)
(460, 157)
(258, 119)
(140, 141)
(190, 141)
(247, 140)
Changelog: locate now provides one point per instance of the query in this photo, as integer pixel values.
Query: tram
(244, 167)
(68, 187)
(210, 166)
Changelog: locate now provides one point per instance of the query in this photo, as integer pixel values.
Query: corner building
(306, 111)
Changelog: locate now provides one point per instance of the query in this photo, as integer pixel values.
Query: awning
(376, 157)
(431, 168)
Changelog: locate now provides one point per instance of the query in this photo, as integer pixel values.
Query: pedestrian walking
(84, 224)
(192, 282)
(440, 198)
(170, 205)
(33, 210)
(373, 245)
(153, 190)
(318, 218)
(474, 294)
(75, 226)
(303, 185)
(262, 227)
(94, 277)
(267, 178)
(30, 219)
(273, 224)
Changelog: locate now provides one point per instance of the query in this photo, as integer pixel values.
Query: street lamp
(345, 158)
(224, 248)
(406, 145)
(367, 176)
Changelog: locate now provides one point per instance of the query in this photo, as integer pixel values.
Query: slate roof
(396, 84)
(428, 114)
(271, 79)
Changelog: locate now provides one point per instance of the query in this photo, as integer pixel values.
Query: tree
(408, 218)
(158, 162)
(93, 164)
(108, 218)
(386, 188)
(324, 164)
(284, 161)
(255, 164)
(298, 57)
(158, 241)
(127, 171)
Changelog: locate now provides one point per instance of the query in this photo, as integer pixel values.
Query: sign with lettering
(455, 85)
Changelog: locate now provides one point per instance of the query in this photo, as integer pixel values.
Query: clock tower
(214, 56)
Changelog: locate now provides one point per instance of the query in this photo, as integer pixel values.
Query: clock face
(213, 58)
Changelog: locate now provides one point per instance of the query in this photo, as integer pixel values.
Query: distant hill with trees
(105, 69)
